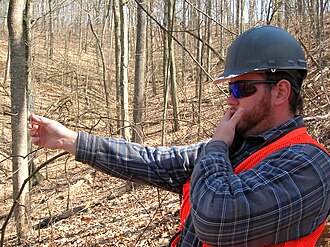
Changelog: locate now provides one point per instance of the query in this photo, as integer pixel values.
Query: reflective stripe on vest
(297, 136)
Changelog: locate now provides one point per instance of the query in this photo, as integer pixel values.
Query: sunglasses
(245, 88)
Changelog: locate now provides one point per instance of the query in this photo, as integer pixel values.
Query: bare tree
(184, 41)
(151, 53)
(251, 12)
(208, 31)
(169, 71)
(237, 20)
(51, 29)
(18, 20)
(116, 13)
(139, 80)
(172, 67)
(123, 7)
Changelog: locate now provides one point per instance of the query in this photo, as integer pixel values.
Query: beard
(256, 120)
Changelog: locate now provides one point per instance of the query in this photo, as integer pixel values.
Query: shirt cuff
(85, 142)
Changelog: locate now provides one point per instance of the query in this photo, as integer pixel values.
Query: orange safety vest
(297, 136)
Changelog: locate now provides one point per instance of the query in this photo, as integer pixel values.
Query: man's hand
(225, 130)
(51, 134)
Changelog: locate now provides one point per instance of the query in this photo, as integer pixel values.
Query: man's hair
(295, 78)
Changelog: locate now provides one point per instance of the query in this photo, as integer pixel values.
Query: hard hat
(263, 48)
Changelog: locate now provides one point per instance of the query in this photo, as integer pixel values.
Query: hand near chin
(225, 130)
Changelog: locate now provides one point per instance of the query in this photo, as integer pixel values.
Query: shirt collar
(268, 136)
(274, 133)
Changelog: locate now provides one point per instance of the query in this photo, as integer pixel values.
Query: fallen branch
(52, 219)
(45, 222)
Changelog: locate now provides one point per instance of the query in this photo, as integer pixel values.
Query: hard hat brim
(222, 79)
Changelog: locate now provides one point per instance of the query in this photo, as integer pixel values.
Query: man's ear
(282, 91)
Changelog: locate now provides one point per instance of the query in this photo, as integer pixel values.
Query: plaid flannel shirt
(285, 197)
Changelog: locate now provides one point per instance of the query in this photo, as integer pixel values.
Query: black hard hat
(263, 48)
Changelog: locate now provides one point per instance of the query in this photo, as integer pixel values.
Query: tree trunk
(252, 13)
(151, 55)
(208, 35)
(199, 72)
(80, 30)
(184, 41)
(199, 44)
(242, 16)
(237, 20)
(51, 30)
(17, 27)
(117, 58)
(139, 80)
(169, 71)
(165, 72)
(172, 68)
(125, 130)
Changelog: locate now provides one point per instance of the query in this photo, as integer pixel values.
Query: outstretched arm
(165, 167)
(51, 134)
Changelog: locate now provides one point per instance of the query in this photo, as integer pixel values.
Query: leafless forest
(139, 70)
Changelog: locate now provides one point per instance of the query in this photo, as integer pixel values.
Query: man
(260, 181)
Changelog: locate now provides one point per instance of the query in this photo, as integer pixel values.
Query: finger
(237, 115)
(32, 118)
(227, 116)
(39, 119)
(34, 132)
(35, 140)
(33, 126)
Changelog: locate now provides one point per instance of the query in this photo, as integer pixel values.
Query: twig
(308, 53)
(327, 116)
(151, 220)
(207, 44)
(19, 156)
(218, 23)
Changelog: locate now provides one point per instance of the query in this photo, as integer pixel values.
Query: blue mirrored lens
(236, 90)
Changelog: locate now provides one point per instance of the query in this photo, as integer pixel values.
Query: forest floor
(77, 206)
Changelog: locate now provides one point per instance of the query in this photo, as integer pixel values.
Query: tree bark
(184, 42)
(165, 72)
(151, 55)
(117, 58)
(139, 80)
(18, 38)
(51, 30)
(172, 68)
(125, 130)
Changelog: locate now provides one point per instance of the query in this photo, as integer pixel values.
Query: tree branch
(3, 228)
(212, 19)
(327, 116)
